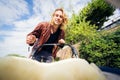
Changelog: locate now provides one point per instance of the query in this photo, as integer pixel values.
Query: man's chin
(56, 23)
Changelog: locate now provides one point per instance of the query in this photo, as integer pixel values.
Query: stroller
(110, 73)
(74, 52)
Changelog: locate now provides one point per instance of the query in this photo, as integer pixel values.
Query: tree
(97, 12)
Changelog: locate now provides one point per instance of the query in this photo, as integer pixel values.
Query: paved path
(111, 76)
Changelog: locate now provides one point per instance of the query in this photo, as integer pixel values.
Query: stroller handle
(74, 52)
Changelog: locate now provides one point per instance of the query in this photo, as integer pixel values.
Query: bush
(78, 32)
(104, 51)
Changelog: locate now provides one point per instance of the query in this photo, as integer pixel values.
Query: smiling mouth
(57, 21)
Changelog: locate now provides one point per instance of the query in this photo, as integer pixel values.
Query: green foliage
(77, 32)
(83, 26)
(104, 51)
(97, 12)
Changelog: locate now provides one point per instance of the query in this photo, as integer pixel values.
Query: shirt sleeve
(36, 31)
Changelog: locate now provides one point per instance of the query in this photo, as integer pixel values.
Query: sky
(19, 17)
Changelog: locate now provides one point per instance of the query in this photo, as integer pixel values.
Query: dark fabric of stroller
(45, 54)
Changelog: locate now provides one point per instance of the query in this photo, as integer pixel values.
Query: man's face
(58, 17)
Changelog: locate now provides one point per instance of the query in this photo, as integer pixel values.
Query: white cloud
(14, 44)
(15, 40)
(26, 25)
(46, 7)
(11, 10)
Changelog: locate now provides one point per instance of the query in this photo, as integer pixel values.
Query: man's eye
(61, 16)
(58, 15)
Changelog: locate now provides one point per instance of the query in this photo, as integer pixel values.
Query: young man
(48, 32)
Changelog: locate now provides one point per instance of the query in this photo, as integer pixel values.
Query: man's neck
(54, 28)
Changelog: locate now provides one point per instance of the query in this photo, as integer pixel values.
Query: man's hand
(30, 39)
(61, 41)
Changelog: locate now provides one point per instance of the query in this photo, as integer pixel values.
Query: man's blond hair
(65, 19)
